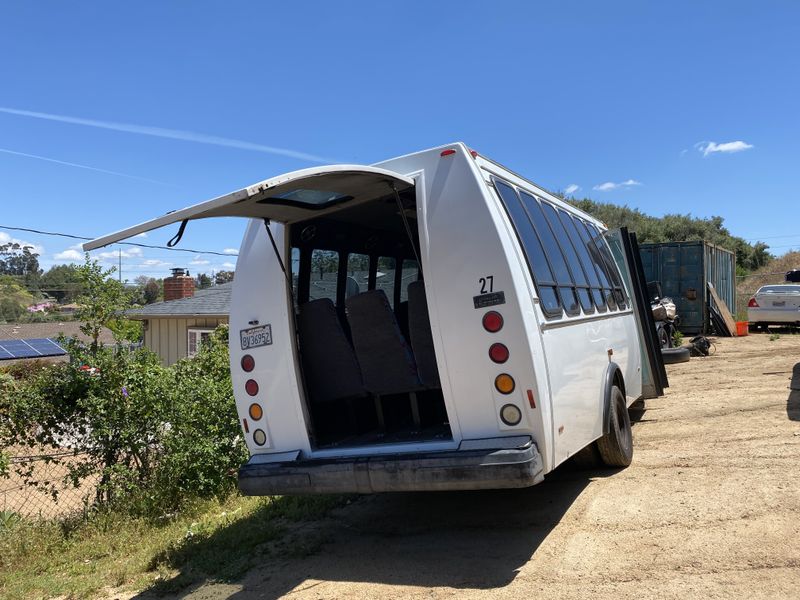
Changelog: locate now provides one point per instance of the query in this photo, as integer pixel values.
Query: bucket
(741, 328)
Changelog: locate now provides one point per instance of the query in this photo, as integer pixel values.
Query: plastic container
(742, 327)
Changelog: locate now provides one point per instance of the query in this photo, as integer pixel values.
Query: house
(175, 328)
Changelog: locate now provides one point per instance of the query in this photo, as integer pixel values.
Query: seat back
(419, 327)
(330, 368)
(387, 363)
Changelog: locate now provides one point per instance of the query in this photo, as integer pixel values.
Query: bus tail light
(492, 321)
(260, 437)
(504, 383)
(498, 353)
(251, 387)
(510, 414)
(248, 363)
(256, 412)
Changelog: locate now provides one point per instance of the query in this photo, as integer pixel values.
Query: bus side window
(532, 248)
(554, 255)
(613, 270)
(384, 278)
(324, 273)
(574, 229)
(599, 263)
(357, 274)
(410, 275)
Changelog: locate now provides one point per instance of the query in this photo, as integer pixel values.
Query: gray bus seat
(387, 363)
(419, 326)
(330, 367)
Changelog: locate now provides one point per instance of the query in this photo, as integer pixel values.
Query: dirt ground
(708, 509)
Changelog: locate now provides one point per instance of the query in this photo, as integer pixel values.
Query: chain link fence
(61, 498)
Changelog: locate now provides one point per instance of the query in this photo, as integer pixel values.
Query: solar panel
(32, 348)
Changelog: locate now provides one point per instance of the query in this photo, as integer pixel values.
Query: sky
(114, 113)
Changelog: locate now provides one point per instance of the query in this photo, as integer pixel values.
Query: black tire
(616, 447)
(672, 356)
(663, 337)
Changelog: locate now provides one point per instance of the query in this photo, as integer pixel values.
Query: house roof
(213, 301)
(27, 331)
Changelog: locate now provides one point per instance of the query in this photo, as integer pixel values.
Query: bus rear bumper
(463, 469)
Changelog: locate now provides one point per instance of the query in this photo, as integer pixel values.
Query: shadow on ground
(793, 402)
(451, 539)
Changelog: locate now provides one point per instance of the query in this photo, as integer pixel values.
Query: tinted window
(385, 277)
(603, 292)
(553, 251)
(563, 236)
(532, 247)
(357, 274)
(324, 273)
(611, 267)
(410, 274)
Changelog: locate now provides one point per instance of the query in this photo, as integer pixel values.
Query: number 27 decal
(487, 284)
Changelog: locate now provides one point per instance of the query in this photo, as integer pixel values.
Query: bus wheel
(616, 447)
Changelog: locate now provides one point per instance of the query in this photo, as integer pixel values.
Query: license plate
(781, 303)
(256, 336)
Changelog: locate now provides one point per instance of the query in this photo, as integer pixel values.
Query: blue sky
(111, 114)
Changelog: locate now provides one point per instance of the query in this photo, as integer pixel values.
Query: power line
(79, 237)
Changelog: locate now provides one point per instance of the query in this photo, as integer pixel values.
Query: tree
(61, 282)
(151, 291)
(203, 281)
(223, 277)
(324, 261)
(101, 305)
(20, 261)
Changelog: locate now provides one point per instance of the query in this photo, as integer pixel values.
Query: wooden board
(730, 322)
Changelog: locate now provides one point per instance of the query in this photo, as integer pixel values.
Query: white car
(774, 305)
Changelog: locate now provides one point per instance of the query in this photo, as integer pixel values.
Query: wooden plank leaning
(722, 308)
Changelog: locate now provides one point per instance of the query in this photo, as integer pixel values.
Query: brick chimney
(180, 285)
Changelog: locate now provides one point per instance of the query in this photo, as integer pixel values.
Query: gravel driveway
(709, 509)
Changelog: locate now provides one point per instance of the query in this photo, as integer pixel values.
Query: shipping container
(683, 269)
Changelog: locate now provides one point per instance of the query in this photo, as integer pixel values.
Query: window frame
(197, 330)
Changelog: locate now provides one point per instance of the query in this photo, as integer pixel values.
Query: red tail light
(752, 303)
(251, 387)
(492, 321)
(248, 363)
(498, 353)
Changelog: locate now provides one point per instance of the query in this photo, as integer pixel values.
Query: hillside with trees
(678, 228)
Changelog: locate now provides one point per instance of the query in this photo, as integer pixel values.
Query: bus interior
(363, 331)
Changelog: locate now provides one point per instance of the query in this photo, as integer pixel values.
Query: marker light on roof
(248, 363)
(447, 152)
(492, 321)
(498, 353)
(251, 387)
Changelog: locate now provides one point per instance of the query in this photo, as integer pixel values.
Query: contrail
(79, 166)
(172, 134)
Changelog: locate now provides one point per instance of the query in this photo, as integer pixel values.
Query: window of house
(196, 337)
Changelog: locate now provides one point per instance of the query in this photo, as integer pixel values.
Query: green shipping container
(683, 268)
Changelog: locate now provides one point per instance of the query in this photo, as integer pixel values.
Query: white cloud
(172, 134)
(572, 188)
(229, 265)
(7, 239)
(200, 261)
(230, 251)
(113, 255)
(154, 262)
(610, 185)
(725, 147)
(69, 255)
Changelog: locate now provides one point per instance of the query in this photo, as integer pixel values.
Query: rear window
(779, 289)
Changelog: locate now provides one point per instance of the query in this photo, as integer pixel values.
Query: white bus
(431, 322)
